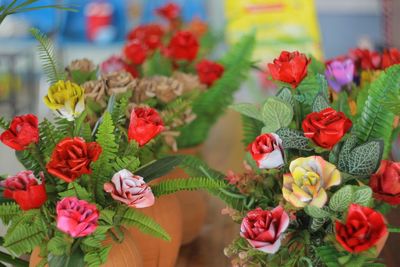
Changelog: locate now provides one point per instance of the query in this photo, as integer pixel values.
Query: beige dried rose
(144, 89)
(95, 90)
(83, 65)
(187, 117)
(167, 89)
(119, 82)
(189, 81)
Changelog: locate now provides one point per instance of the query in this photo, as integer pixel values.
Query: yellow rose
(307, 181)
(67, 98)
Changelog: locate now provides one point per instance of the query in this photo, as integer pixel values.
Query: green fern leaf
(50, 136)
(9, 211)
(376, 120)
(119, 112)
(29, 161)
(193, 183)
(4, 124)
(131, 163)
(97, 257)
(86, 132)
(76, 190)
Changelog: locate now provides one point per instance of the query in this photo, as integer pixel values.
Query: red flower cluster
(183, 46)
(22, 132)
(326, 127)
(289, 67)
(363, 229)
(390, 57)
(145, 124)
(386, 182)
(170, 11)
(72, 157)
(135, 52)
(209, 71)
(365, 59)
(150, 35)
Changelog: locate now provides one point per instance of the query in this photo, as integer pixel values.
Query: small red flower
(209, 71)
(150, 35)
(267, 151)
(135, 52)
(363, 228)
(183, 46)
(365, 59)
(390, 57)
(386, 182)
(22, 132)
(289, 67)
(25, 189)
(145, 124)
(170, 11)
(326, 127)
(72, 157)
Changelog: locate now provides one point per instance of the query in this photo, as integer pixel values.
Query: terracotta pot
(125, 254)
(156, 252)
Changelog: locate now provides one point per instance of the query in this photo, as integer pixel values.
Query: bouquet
(317, 179)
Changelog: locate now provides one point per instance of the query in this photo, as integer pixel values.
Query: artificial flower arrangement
(166, 69)
(82, 184)
(317, 181)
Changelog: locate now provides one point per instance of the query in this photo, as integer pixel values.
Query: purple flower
(339, 73)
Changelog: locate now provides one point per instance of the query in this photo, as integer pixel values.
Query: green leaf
(342, 104)
(247, 109)
(81, 77)
(76, 190)
(97, 257)
(158, 168)
(146, 224)
(316, 212)
(58, 245)
(285, 94)
(293, 139)
(74, 260)
(316, 224)
(276, 114)
(320, 103)
(362, 195)
(107, 216)
(251, 129)
(341, 200)
(4, 124)
(316, 66)
(310, 87)
(9, 211)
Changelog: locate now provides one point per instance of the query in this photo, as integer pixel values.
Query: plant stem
(17, 262)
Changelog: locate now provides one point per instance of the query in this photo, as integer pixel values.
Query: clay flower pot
(125, 254)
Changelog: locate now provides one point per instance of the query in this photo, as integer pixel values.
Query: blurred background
(324, 28)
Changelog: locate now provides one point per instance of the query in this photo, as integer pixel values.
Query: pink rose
(112, 64)
(263, 228)
(76, 217)
(130, 189)
(267, 151)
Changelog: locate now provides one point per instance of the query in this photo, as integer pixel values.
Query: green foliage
(4, 124)
(58, 245)
(248, 110)
(46, 52)
(316, 66)
(95, 251)
(192, 183)
(146, 224)
(251, 129)
(210, 105)
(393, 101)
(76, 190)
(81, 77)
(341, 200)
(8, 211)
(49, 136)
(158, 168)
(376, 120)
(316, 224)
(310, 87)
(285, 94)
(97, 256)
(329, 255)
(342, 104)
(362, 195)
(86, 132)
(131, 163)
(320, 103)
(276, 114)
(158, 65)
(29, 160)
(196, 167)
(316, 212)
(119, 112)
(293, 139)
(75, 259)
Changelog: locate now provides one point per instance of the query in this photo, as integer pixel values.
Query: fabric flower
(150, 35)
(135, 52)
(209, 71)
(365, 59)
(183, 46)
(326, 127)
(112, 64)
(363, 228)
(119, 82)
(25, 189)
(130, 189)
(22, 132)
(82, 65)
(67, 98)
(390, 57)
(72, 157)
(75, 217)
(289, 67)
(385, 183)
(339, 74)
(263, 228)
(308, 180)
(145, 124)
(267, 151)
(170, 11)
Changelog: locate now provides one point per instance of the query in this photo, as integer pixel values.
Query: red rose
(169, 11)
(22, 132)
(183, 46)
(365, 59)
(267, 151)
(150, 35)
(145, 124)
(135, 52)
(131, 69)
(72, 157)
(25, 189)
(290, 67)
(209, 71)
(326, 127)
(363, 229)
(390, 57)
(263, 228)
(386, 182)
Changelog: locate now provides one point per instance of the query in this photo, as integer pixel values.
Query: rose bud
(385, 183)
(263, 228)
(183, 46)
(135, 52)
(267, 151)
(363, 228)
(209, 71)
(25, 189)
(72, 157)
(339, 74)
(78, 218)
(308, 180)
(326, 127)
(145, 124)
(170, 11)
(289, 67)
(150, 35)
(23, 131)
(390, 57)
(130, 189)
